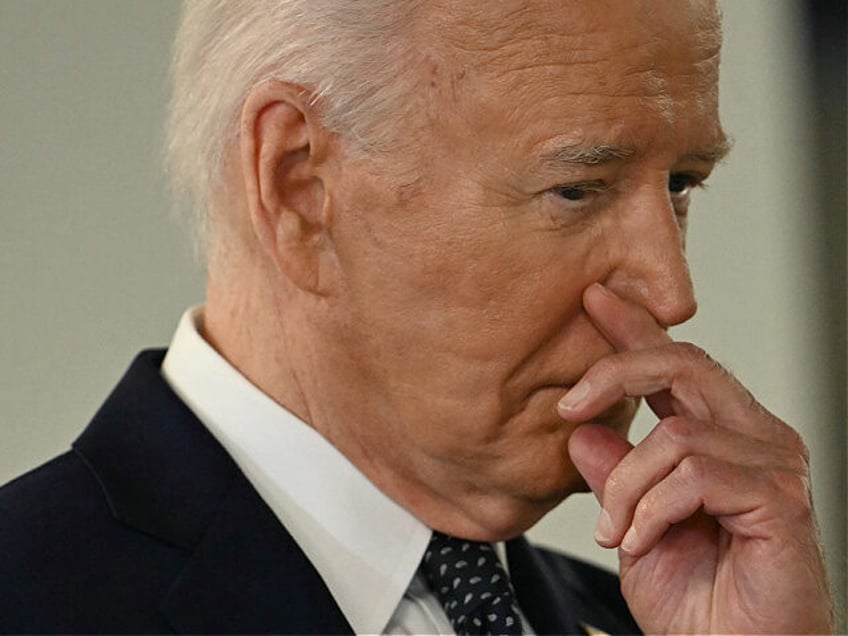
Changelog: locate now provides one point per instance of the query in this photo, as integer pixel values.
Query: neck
(248, 329)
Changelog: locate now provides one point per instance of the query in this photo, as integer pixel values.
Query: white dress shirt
(365, 546)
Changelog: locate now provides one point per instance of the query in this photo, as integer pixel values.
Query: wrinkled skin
(425, 310)
(460, 314)
(712, 511)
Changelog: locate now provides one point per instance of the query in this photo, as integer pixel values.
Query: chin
(543, 473)
(548, 488)
(516, 515)
(503, 520)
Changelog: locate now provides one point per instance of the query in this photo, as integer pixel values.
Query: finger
(626, 325)
(689, 381)
(666, 447)
(749, 502)
(595, 451)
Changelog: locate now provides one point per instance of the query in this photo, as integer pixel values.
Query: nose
(649, 263)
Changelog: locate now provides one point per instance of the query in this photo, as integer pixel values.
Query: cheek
(489, 297)
(469, 321)
(447, 300)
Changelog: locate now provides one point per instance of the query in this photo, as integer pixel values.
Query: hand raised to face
(711, 512)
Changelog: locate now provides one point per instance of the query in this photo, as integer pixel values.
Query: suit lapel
(160, 469)
(547, 602)
(249, 576)
(165, 475)
(561, 595)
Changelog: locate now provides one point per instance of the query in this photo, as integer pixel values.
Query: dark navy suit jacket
(147, 526)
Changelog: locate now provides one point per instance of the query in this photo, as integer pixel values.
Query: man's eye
(571, 193)
(680, 184)
(577, 192)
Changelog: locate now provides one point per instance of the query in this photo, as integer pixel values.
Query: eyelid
(694, 180)
(583, 186)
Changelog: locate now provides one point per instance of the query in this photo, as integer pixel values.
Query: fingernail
(602, 289)
(603, 531)
(630, 541)
(574, 397)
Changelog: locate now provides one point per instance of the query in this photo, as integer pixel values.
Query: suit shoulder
(63, 555)
(46, 516)
(42, 490)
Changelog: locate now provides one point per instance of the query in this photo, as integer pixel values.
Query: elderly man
(445, 242)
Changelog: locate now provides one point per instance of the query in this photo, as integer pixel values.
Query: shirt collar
(365, 546)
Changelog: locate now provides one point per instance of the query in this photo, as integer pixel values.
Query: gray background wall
(93, 268)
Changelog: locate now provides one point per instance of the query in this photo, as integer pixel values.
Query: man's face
(553, 146)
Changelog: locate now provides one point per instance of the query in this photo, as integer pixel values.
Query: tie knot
(472, 586)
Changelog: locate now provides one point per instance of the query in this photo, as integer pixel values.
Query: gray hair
(349, 54)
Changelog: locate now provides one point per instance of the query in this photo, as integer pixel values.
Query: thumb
(595, 450)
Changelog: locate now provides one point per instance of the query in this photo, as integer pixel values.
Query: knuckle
(677, 430)
(693, 357)
(750, 403)
(693, 354)
(608, 367)
(795, 442)
(790, 439)
(644, 509)
(693, 469)
(797, 460)
(791, 458)
(793, 492)
(613, 488)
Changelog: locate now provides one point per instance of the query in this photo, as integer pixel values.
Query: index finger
(630, 327)
(691, 384)
(626, 325)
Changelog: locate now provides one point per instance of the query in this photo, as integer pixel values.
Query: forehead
(615, 65)
(486, 24)
(636, 34)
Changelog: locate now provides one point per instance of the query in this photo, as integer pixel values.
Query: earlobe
(283, 150)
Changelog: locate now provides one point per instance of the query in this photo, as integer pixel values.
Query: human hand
(711, 512)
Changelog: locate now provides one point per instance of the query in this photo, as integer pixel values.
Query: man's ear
(283, 150)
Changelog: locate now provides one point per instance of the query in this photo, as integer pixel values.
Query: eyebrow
(603, 153)
(716, 152)
(592, 156)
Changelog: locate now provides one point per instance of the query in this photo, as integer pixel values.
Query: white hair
(350, 55)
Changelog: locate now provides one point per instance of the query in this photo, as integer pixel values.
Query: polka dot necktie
(472, 585)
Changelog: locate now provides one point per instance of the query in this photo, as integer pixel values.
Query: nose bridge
(650, 265)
